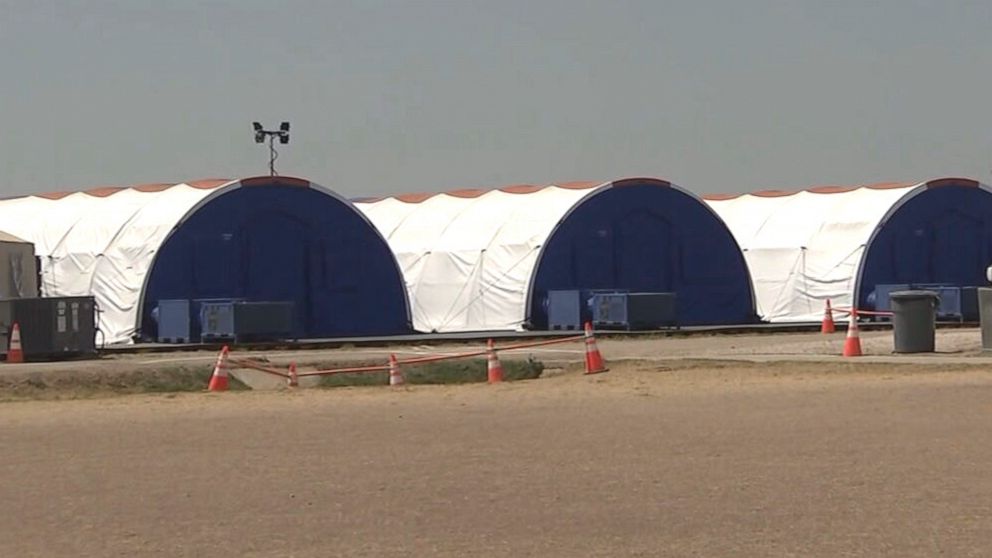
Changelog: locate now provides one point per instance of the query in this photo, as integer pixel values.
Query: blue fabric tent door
(276, 265)
(645, 265)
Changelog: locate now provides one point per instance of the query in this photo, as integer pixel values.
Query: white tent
(477, 260)
(468, 257)
(803, 248)
(102, 242)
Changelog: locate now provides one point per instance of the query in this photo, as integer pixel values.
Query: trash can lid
(913, 295)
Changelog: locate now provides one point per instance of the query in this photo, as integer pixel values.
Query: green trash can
(914, 319)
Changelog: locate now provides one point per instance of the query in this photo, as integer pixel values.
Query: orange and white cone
(395, 374)
(852, 344)
(15, 353)
(828, 320)
(494, 368)
(218, 381)
(294, 379)
(594, 360)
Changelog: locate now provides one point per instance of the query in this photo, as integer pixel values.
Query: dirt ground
(651, 459)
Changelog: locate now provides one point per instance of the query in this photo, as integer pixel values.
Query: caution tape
(429, 359)
(848, 311)
(254, 365)
(351, 370)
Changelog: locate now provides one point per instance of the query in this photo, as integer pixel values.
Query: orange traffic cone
(218, 381)
(15, 353)
(594, 360)
(395, 374)
(494, 368)
(294, 379)
(828, 320)
(852, 344)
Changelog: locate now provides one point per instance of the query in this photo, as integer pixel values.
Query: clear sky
(403, 96)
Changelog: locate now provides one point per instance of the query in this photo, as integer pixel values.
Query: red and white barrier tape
(385, 367)
(843, 310)
(252, 365)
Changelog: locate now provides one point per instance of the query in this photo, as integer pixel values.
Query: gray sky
(401, 96)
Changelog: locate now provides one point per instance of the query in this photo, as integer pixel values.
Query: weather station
(260, 136)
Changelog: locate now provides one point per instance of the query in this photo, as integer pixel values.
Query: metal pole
(273, 155)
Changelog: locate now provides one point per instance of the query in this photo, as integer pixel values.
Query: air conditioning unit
(240, 321)
(633, 310)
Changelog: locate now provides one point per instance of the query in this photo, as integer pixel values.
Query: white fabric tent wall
(807, 247)
(468, 261)
(103, 246)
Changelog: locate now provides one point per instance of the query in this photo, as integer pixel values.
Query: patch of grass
(175, 379)
(445, 372)
(357, 379)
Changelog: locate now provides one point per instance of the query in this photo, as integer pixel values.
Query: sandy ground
(650, 459)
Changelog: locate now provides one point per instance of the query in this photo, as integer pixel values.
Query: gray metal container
(985, 311)
(173, 321)
(564, 310)
(914, 321)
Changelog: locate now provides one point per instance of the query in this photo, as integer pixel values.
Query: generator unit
(51, 328)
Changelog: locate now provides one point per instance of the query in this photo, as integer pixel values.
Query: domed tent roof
(838, 243)
(485, 259)
(265, 238)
